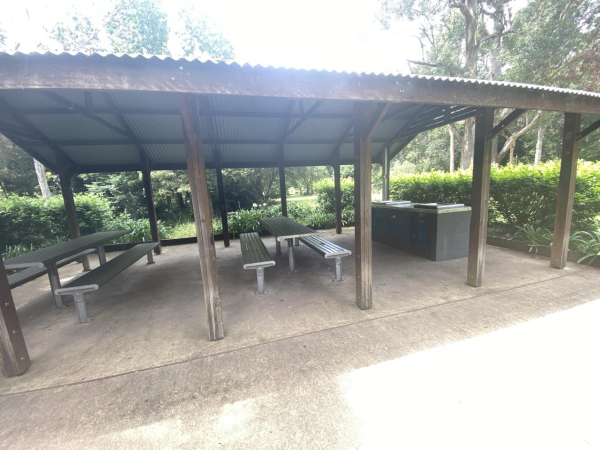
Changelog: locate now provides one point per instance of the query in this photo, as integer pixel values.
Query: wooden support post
(566, 191)
(480, 195)
(338, 197)
(201, 204)
(222, 204)
(362, 197)
(385, 165)
(14, 359)
(71, 212)
(147, 180)
(282, 190)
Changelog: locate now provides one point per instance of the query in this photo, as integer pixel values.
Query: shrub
(140, 229)
(519, 195)
(32, 221)
(325, 191)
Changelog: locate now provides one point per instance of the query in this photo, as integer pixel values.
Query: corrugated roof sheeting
(231, 153)
(162, 153)
(347, 151)
(27, 99)
(307, 152)
(44, 151)
(248, 104)
(248, 128)
(145, 100)
(60, 127)
(388, 129)
(335, 107)
(156, 127)
(319, 129)
(103, 154)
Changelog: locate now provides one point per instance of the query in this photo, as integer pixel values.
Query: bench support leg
(277, 248)
(291, 260)
(54, 285)
(150, 257)
(101, 255)
(260, 278)
(297, 242)
(85, 261)
(338, 269)
(81, 306)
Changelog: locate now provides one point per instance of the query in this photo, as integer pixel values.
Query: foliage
(200, 39)
(325, 191)
(140, 229)
(124, 191)
(519, 194)
(33, 221)
(138, 26)
(78, 34)
(304, 178)
(534, 236)
(17, 174)
(587, 243)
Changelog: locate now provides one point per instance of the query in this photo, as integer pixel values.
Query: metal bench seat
(23, 276)
(329, 250)
(256, 256)
(92, 281)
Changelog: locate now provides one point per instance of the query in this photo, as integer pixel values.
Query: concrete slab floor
(435, 362)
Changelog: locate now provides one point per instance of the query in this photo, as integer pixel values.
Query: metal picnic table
(283, 228)
(48, 257)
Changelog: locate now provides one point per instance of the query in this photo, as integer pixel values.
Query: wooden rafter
(381, 111)
(284, 133)
(505, 122)
(335, 154)
(144, 158)
(29, 128)
(404, 127)
(305, 116)
(593, 127)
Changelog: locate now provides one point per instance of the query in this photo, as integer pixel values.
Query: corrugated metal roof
(246, 129)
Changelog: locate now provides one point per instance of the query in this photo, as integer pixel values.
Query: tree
(199, 39)
(17, 174)
(77, 35)
(138, 26)
(304, 178)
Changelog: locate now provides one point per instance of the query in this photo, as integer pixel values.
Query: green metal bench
(24, 276)
(329, 250)
(92, 281)
(256, 256)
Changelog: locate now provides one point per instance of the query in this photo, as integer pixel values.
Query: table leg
(54, 285)
(101, 255)
(86, 264)
(291, 260)
(277, 248)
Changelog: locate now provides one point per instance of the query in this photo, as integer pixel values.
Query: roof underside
(100, 113)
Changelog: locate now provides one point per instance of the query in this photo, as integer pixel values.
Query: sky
(342, 35)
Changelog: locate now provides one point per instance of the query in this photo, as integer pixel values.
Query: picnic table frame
(48, 256)
(285, 229)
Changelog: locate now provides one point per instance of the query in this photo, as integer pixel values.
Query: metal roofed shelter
(103, 113)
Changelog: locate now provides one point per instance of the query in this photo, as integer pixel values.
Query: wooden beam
(147, 181)
(335, 154)
(202, 216)
(405, 126)
(337, 197)
(281, 156)
(48, 71)
(381, 111)
(14, 358)
(363, 251)
(32, 130)
(480, 195)
(593, 127)
(514, 115)
(64, 178)
(307, 115)
(212, 133)
(385, 166)
(84, 112)
(401, 147)
(566, 191)
(439, 123)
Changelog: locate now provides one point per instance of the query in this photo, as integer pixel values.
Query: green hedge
(33, 221)
(325, 192)
(519, 195)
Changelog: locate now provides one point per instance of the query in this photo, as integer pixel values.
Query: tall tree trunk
(495, 150)
(452, 140)
(539, 145)
(511, 142)
(40, 171)
(466, 156)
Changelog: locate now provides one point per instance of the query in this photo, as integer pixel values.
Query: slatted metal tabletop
(285, 228)
(49, 255)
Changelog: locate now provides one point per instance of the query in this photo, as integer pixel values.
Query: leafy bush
(325, 191)
(140, 229)
(519, 195)
(32, 221)
(586, 243)
(534, 236)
